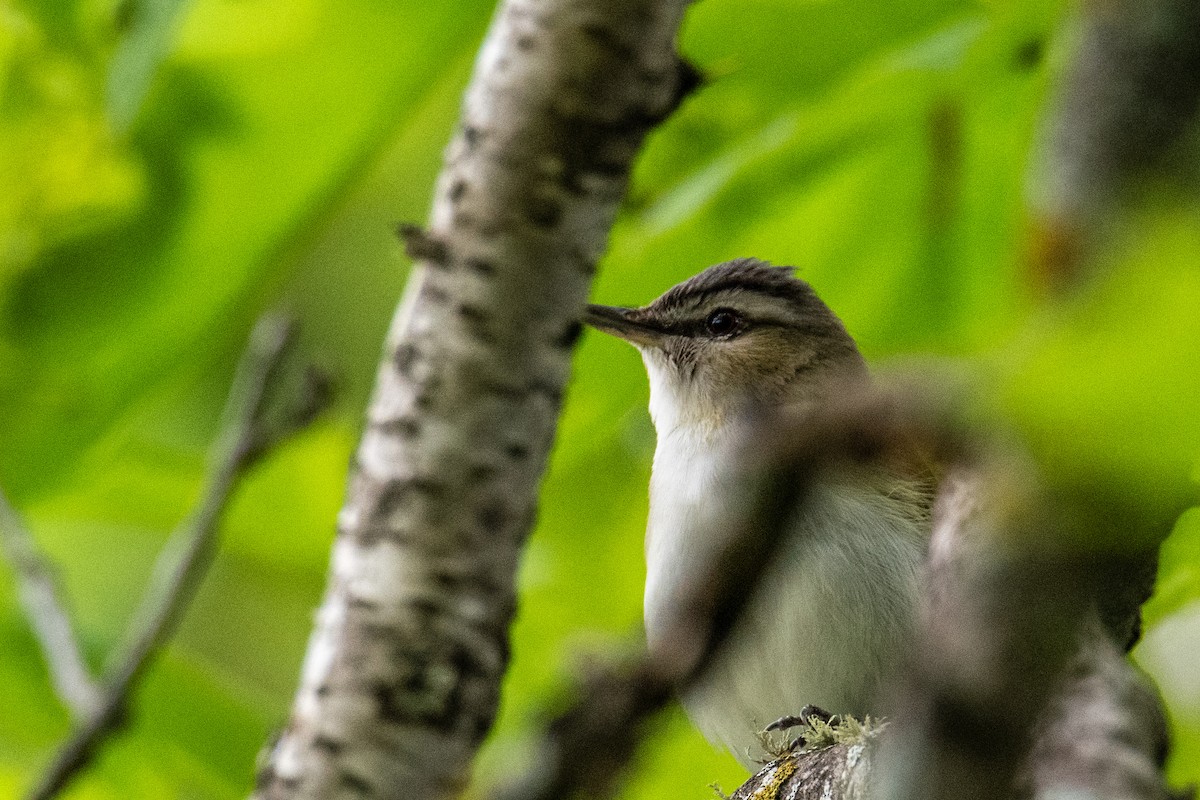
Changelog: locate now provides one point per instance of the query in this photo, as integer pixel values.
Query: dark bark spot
(427, 486)
(398, 494)
(434, 294)
(445, 706)
(449, 583)
(414, 699)
(427, 392)
(543, 212)
(425, 608)
(266, 774)
(371, 534)
(457, 190)
(481, 267)
(356, 783)
(322, 690)
(419, 245)
(492, 516)
(606, 38)
(476, 321)
(525, 42)
(387, 707)
(481, 473)
(570, 336)
(289, 784)
(264, 778)
(403, 427)
(505, 391)
(405, 356)
(485, 228)
(331, 746)
(362, 604)
(517, 452)
(479, 715)
(471, 136)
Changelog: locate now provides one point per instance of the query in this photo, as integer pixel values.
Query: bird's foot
(816, 722)
(805, 717)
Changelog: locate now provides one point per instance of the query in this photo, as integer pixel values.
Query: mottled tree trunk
(401, 679)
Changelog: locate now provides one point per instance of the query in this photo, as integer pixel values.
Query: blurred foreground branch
(1015, 685)
(1017, 675)
(41, 600)
(250, 428)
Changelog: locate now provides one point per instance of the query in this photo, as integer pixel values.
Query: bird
(834, 613)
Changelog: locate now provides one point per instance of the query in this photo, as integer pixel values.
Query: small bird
(833, 614)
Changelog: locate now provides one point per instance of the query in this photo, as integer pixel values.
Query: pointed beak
(620, 323)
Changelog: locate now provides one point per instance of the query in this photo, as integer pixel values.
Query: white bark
(401, 679)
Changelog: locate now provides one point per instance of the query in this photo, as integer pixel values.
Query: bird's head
(739, 333)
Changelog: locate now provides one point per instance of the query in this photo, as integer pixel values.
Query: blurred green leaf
(1178, 571)
(1106, 390)
(148, 28)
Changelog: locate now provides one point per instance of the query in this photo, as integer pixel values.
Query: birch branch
(245, 434)
(41, 600)
(401, 679)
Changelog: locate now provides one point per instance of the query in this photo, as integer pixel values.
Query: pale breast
(831, 616)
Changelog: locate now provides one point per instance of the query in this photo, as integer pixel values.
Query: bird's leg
(807, 716)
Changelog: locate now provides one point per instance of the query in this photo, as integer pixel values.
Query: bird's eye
(723, 322)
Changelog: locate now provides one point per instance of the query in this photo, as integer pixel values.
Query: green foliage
(168, 169)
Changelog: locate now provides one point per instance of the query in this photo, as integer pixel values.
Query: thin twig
(187, 555)
(41, 600)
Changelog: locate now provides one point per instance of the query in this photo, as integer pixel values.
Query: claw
(785, 723)
(805, 717)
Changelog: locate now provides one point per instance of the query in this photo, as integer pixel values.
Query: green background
(169, 169)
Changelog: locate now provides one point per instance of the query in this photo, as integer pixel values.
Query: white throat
(687, 473)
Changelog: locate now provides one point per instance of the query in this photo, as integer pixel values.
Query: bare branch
(1015, 683)
(47, 614)
(245, 434)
